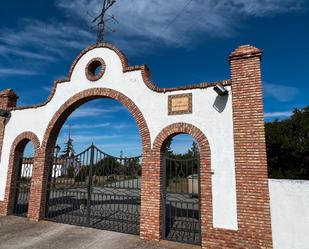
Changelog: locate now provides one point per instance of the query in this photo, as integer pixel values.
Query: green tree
(70, 171)
(167, 149)
(194, 150)
(68, 150)
(287, 144)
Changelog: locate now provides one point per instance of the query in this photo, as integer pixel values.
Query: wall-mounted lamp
(4, 113)
(220, 90)
(57, 149)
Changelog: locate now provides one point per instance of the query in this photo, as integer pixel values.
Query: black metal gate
(181, 218)
(22, 185)
(97, 190)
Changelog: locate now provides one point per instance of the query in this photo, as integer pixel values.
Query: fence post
(90, 184)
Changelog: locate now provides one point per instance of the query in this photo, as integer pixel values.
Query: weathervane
(107, 4)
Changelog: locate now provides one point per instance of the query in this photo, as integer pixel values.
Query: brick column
(8, 99)
(151, 196)
(3, 209)
(253, 204)
(37, 200)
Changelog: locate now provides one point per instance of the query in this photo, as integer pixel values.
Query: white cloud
(278, 114)
(179, 22)
(47, 89)
(89, 139)
(95, 111)
(143, 25)
(47, 41)
(25, 54)
(15, 71)
(261, 7)
(86, 140)
(86, 126)
(280, 92)
(123, 126)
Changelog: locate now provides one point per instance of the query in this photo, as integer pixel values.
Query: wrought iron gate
(22, 185)
(181, 218)
(97, 190)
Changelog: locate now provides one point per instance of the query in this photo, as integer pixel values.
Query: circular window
(95, 69)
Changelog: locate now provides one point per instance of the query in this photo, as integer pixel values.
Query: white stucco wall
(214, 122)
(289, 202)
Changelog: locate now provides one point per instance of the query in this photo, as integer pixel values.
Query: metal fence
(97, 190)
(181, 219)
(22, 185)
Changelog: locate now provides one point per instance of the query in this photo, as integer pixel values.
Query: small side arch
(17, 148)
(205, 169)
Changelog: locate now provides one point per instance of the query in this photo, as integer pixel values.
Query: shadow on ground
(19, 233)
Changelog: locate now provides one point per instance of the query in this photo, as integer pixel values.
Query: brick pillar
(37, 201)
(253, 204)
(151, 197)
(3, 207)
(8, 99)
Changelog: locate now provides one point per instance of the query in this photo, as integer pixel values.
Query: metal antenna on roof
(101, 20)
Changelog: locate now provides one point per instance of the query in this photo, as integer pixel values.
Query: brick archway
(37, 204)
(239, 188)
(17, 147)
(154, 187)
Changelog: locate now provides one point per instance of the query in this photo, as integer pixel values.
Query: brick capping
(8, 93)
(17, 147)
(126, 68)
(8, 99)
(245, 51)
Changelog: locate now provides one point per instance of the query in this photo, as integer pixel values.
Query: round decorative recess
(95, 69)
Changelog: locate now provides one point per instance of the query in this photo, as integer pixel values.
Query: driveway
(19, 233)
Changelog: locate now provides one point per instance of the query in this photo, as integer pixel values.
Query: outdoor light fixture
(4, 113)
(57, 149)
(220, 90)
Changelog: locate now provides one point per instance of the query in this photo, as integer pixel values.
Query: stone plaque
(180, 104)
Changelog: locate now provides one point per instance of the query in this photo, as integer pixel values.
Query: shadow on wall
(220, 103)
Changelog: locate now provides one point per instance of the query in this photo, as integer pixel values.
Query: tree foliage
(68, 150)
(191, 153)
(287, 144)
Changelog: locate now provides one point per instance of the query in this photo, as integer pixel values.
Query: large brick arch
(154, 185)
(54, 127)
(77, 100)
(17, 148)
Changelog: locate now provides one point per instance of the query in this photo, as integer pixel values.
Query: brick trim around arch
(37, 204)
(18, 146)
(153, 182)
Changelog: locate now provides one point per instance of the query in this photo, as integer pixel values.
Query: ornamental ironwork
(97, 190)
(181, 199)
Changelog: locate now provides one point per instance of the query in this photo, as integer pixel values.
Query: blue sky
(181, 41)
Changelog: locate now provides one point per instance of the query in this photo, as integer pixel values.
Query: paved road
(19, 233)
